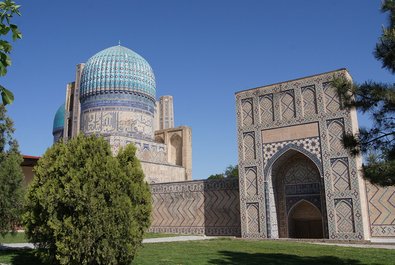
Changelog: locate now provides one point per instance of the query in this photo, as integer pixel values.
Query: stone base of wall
(209, 207)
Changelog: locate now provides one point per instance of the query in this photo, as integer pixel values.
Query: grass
(20, 237)
(238, 252)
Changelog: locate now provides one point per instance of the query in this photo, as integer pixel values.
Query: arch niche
(176, 150)
(298, 196)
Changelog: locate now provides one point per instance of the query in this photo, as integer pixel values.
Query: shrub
(85, 206)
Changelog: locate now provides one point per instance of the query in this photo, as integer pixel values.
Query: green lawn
(238, 252)
(13, 238)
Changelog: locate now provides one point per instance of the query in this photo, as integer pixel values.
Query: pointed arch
(305, 220)
(287, 148)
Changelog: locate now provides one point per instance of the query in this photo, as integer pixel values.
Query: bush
(85, 206)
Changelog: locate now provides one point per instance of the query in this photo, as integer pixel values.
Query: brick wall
(209, 207)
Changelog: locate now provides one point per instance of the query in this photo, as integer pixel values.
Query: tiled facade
(290, 155)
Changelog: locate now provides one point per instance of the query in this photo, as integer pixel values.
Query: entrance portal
(297, 187)
(305, 221)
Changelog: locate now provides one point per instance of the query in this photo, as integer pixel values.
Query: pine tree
(85, 206)
(378, 99)
(11, 176)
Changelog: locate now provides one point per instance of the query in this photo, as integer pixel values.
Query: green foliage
(85, 206)
(11, 176)
(378, 100)
(230, 172)
(216, 176)
(8, 9)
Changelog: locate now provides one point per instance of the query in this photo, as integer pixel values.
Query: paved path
(385, 246)
(190, 238)
(146, 241)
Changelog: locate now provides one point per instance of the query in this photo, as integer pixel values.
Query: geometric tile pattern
(292, 103)
(208, 207)
(248, 116)
(266, 108)
(287, 105)
(340, 174)
(253, 218)
(381, 203)
(311, 144)
(332, 102)
(344, 216)
(335, 132)
(249, 146)
(309, 101)
(251, 181)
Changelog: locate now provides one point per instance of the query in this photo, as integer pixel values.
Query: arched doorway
(305, 221)
(298, 196)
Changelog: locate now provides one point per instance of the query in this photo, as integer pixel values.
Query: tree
(378, 142)
(8, 9)
(85, 206)
(11, 176)
(230, 172)
(216, 176)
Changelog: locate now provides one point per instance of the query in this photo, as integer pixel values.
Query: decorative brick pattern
(251, 181)
(344, 216)
(208, 207)
(248, 115)
(249, 146)
(332, 102)
(340, 174)
(287, 105)
(381, 203)
(266, 108)
(253, 218)
(336, 132)
(309, 101)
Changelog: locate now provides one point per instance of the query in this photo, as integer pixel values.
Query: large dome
(117, 70)
(58, 122)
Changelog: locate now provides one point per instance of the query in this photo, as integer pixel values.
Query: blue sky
(202, 52)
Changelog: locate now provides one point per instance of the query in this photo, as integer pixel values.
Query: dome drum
(118, 95)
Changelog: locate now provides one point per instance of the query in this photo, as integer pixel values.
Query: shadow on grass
(20, 257)
(242, 258)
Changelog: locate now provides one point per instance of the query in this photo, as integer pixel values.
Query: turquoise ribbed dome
(58, 122)
(117, 70)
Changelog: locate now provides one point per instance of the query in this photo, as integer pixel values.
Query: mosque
(296, 180)
(114, 95)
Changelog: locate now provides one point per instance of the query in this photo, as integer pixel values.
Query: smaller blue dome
(58, 122)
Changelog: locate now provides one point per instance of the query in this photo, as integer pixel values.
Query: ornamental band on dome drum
(295, 178)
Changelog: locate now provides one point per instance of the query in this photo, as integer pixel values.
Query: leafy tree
(230, 172)
(85, 206)
(8, 9)
(377, 99)
(216, 176)
(11, 176)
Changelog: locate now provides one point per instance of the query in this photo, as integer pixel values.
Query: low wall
(381, 205)
(209, 207)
